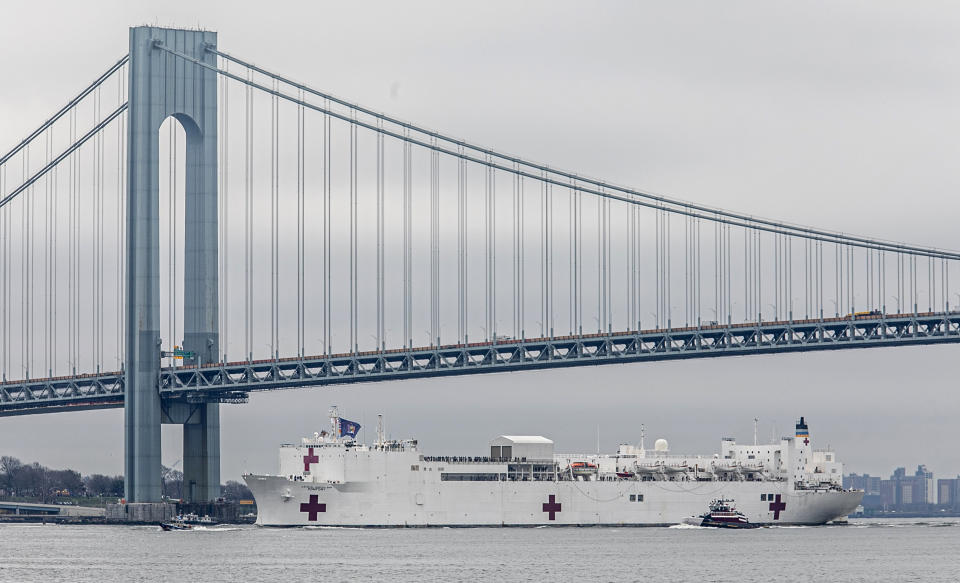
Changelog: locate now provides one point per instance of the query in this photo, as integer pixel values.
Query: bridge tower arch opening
(161, 86)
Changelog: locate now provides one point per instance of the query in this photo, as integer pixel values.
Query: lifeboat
(583, 468)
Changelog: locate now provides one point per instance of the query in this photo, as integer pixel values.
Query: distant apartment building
(948, 492)
(906, 492)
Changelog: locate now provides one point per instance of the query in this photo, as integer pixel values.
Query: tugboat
(177, 523)
(722, 515)
(192, 519)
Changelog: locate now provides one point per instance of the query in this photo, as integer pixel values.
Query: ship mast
(335, 422)
(380, 431)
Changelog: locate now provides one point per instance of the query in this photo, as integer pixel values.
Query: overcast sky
(841, 115)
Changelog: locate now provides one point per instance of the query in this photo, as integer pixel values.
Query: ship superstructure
(332, 479)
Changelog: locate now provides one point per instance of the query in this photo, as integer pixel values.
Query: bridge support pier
(201, 456)
(163, 86)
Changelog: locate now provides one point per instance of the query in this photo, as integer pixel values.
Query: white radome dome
(661, 445)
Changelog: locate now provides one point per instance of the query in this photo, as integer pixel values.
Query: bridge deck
(232, 381)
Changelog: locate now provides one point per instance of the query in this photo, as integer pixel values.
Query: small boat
(722, 515)
(177, 523)
(580, 469)
(625, 475)
(191, 518)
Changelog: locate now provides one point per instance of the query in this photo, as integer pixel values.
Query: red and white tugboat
(722, 515)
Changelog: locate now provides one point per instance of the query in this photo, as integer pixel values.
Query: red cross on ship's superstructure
(312, 507)
(552, 507)
(777, 506)
(309, 459)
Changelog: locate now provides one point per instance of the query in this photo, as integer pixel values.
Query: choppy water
(865, 550)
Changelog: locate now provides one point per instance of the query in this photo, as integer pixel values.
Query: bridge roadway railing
(232, 381)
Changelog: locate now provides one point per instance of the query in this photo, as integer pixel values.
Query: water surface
(864, 550)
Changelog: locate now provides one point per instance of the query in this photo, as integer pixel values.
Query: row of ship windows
(765, 497)
(636, 497)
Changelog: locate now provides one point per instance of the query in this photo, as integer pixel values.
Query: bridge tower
(162, 85)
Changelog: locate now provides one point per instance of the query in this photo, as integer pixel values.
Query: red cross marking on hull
(309, 459)
(552, 507)
(312, 507)
(777, 506)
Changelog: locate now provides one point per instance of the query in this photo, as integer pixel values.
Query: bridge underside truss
(232, 382)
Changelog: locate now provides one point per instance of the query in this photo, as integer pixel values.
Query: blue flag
(348, 428)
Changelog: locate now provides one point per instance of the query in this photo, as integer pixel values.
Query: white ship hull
(336, 482)
(517, 503)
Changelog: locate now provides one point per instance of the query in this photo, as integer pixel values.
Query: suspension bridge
(192, 227)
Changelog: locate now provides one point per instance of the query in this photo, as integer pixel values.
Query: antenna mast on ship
(755, 421)
(643, 433)
(335, 422)
(380, 431)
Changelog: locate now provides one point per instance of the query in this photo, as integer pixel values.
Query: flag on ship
(348, 427)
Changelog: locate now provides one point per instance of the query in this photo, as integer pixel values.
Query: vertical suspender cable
(656, 267)
(493, 253)
(790, 270)
(48, 263)
(608, 283)
(72, 250)
(600, 275)
(686, 270)
(578, 260)
(222, 205)
(716, 271)
(836, 303)
(572, 294)
(379, 213)
(669, 249)
(120, 222)
(462, 247)
(101, 169)
(543, 255)
(248, 219)
(408, 243)
(488, 244)
(631, 262)
(274, 223)
(544, 250)
(24, 277)
(521, 272)
(820, 277)
(729, 276)
(550, 311)
(435, 245)
(699, 275)
(353, 233)
(301, 226)
(327, 194)
(225, 223)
